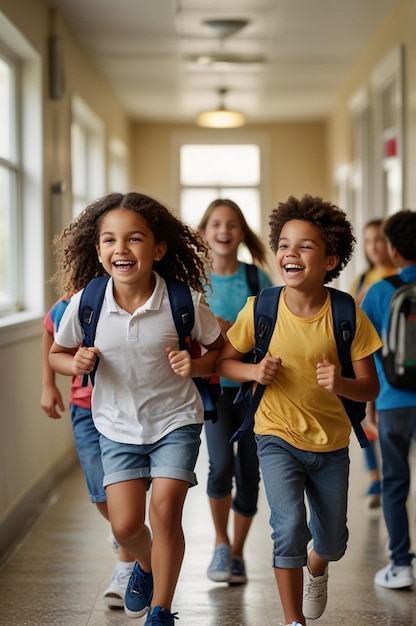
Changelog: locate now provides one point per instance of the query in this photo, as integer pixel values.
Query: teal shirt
(228, 294)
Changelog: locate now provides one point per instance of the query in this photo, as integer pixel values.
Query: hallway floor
(57, 575)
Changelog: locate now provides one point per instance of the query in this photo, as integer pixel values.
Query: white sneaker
(395, 576)
(114, 595)
(315, 593)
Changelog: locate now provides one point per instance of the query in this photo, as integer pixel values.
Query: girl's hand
(327, 375)
(84, 360)
(180, 362)
(51, 401)
(267, 369)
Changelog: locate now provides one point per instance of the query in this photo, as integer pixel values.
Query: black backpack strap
(361, 281)
(344, 321)
(183, 312)
(90, 305)
(395, 280)
(252, 277)
(265, 315)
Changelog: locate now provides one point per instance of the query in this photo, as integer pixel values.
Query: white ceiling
(143, 48)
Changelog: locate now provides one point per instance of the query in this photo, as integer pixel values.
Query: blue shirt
(228, 295)
(376, 305)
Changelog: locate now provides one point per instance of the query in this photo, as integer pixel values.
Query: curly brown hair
(335, 228)
(254, 244)
(76, 255)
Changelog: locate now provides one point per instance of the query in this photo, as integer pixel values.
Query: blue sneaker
(219, 569)
(139, 592)
(160, 616)
(238, 572)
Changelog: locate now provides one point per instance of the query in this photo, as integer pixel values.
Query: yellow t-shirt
(372, 275)
(294, 407)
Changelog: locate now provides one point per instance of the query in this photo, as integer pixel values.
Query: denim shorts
(87, 442)
(173, 456)
(289, 474)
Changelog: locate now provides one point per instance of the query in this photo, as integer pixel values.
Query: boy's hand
(180, 361)
(84, 360)
(266, 370)
(327, 375)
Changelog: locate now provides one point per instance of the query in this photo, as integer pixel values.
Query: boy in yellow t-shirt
(301, 427)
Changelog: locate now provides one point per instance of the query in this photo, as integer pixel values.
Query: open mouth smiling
(292, 268)
(123, 264)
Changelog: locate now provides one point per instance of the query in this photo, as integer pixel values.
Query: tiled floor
(58, 574)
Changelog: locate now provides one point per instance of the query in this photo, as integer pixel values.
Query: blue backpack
(265, 316)
(183, 315)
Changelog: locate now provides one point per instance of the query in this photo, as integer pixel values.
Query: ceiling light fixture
(221, 117)
(225, 28)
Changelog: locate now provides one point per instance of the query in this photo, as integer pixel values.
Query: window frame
(21, 320)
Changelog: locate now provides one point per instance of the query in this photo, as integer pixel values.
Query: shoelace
(315, 589)
(164, 617)
(141, 585)
(221, 559)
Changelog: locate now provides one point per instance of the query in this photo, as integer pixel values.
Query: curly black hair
(335, 228)
(400, 230)
(77, 260)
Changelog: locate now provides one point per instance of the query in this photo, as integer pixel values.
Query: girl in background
(224, 228)
(380, 265)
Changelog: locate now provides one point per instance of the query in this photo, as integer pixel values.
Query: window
(87, 156)
(387, 87)
(21, 190)
(118, 179)
(9, 177)
(209, 171)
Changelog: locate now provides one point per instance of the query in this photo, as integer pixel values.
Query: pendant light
(221, 117)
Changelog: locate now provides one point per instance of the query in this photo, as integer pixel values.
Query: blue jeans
(370, 457)
(227, 461)
(395, 431)
(87, 442)
(288, 475)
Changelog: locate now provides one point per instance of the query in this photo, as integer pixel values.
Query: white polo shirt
(137, 397)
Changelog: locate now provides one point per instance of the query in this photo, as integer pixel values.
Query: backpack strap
(57, 312)
(361, 281)
(252, 277)
(265, 315)
(183, 312)
(395, 280)
(344, 321)
(90, 304)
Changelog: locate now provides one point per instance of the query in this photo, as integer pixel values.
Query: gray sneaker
(219, 569)
(315, 593)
